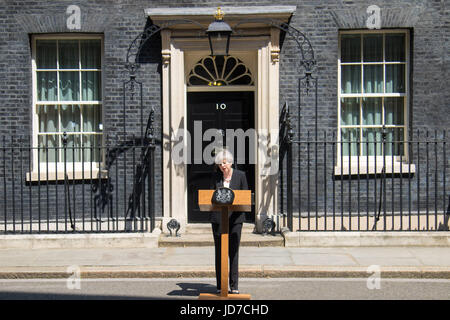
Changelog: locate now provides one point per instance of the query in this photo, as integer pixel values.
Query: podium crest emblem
(223, 195)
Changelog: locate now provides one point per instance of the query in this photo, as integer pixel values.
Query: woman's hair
(223, 154)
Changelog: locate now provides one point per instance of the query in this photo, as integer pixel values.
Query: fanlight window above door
(220, 71)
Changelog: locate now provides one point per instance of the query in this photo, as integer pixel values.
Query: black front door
(219, 111)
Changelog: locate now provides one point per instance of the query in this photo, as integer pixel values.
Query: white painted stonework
(258, 47)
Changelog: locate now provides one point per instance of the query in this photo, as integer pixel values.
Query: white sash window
(67, 95)
(373, 93)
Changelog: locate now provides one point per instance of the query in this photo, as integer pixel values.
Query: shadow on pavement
(192, 289)
(17, 295)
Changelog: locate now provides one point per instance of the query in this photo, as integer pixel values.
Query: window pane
(46, 86)
(372, 111)
(350, 111)
(48, 148)
(394, 111)
(238, 71)
(230, 65)
(90, 86)
(92, 147)
(350, 142)
(72, 150)
(373, 79)
(242, 80)
(351, 79)
(194, 80)
(69, 86)
(372, 142)
(203, 73)
(46, 54)
(351, 48)
(68, 54)
(90, 54)
(394, 141)
(395, 47)
(70, 118)
(219, 61)
(373, 47)
(48, 118)
(395, 78)
(92, 116)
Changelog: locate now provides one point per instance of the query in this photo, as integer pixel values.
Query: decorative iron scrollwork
(307, 59)
(104, 197)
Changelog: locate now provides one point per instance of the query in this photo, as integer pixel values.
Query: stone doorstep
(200, 235)
(202, 240)
(205, 228)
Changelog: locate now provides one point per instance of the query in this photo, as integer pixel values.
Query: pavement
(198, 261)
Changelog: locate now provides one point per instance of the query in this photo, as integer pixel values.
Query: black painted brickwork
(121, 21)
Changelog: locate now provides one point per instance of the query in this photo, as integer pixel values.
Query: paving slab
(388, 261)
(312, 259)
(265, 260)
(419, 262)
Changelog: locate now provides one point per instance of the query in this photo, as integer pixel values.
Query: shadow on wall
(151, 49)
(444, 226)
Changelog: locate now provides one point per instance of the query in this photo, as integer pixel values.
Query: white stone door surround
(258, 47)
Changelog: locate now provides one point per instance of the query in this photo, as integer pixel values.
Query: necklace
(229, 178)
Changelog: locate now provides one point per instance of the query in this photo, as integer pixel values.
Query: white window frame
(56, 170)
(365, 164)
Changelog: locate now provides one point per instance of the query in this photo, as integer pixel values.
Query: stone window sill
(44, 176)
(362, 170)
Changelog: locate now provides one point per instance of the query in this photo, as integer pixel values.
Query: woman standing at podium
(233, 179)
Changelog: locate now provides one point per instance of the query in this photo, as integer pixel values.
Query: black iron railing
(324, 189)
(321, 188)
(112, 190)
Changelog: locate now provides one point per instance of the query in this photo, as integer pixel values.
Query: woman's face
(225, 166)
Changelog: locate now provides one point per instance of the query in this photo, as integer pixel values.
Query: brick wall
(121, 21)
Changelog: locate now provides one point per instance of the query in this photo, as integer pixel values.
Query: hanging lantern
(219, 33)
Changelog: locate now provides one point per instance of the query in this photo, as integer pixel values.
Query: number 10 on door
(221, 106)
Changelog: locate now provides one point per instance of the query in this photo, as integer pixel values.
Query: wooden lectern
(242, 203)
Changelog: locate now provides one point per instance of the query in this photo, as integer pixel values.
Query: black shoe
(234, 291)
